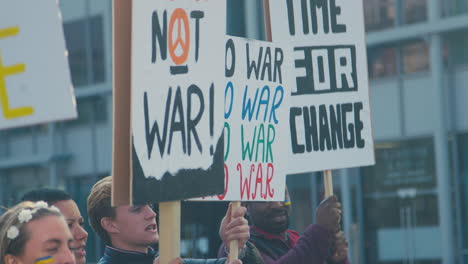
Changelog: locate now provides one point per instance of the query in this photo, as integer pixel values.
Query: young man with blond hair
(128, 231)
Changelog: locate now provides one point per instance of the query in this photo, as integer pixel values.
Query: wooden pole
(328, 183)
(234, 245)
(169, 231)
(121, 140)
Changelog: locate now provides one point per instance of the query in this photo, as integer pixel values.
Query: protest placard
(256, 111)
(177, 99)
(329, 115)
(35, 83)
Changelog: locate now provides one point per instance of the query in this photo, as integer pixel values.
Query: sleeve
(314, 246)
(205, 261)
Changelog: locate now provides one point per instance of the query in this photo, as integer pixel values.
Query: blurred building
(411, 207)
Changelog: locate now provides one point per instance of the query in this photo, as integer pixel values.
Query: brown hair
(99, 206)
(10, 218)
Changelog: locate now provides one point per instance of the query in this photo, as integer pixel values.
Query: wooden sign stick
(234, 245)
(328, 183)
(169, 231)
(121, 140)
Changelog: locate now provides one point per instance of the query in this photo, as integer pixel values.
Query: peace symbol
(180, 17)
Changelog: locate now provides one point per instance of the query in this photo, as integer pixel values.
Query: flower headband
(26, 215)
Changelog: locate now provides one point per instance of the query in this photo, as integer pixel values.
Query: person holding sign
(128, 231)
(276, 244)
(64, 202)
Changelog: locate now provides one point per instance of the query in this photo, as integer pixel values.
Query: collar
(117, 252)
(291, 235)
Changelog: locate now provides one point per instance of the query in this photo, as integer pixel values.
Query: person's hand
(328, 214)
(235, 227)
(174, 261)
(236, 261)
(341, 248)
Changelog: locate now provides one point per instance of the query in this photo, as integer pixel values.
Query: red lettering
(226, 182)
(259, 180)
(269, 190)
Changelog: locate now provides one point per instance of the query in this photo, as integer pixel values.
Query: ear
(10, 259)
(109, 225)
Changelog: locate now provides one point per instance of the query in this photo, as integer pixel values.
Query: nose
(66, 257)
(149, 212)
(81, 233)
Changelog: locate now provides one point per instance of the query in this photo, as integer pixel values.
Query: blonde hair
(99, 206)
(15, 246)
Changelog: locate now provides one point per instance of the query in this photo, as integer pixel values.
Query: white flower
(24, 216)
(12, 232)
(41, 204)
(54, 208)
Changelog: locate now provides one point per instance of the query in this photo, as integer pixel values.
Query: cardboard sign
(177, 99)
(35, 84)
(256, 111)
(329, 114)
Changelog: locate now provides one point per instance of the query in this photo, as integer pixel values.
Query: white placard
(330, 113)
(256, 111)
(177, 92)
(35, 84)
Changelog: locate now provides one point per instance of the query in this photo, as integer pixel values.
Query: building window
(457, 42)
(379, 14)
(415, 56)
(91, 109)
(84, 38)
(382, 62)
(414, 11)
(454, 7)
(463, 161)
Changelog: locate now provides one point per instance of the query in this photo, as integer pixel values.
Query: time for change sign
(177, 99)
(256, 129)
(329, 115)
(35, 83)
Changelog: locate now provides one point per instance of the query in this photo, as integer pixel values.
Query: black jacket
(119, 256)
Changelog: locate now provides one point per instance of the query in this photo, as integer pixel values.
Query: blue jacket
(119, 256)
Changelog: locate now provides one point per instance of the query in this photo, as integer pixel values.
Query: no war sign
(35, 83)
(256, 129)
(177, 99)
(329, 115)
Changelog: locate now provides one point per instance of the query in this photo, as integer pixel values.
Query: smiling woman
(34, 233)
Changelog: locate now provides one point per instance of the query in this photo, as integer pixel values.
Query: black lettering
(192, 123)
(310, 128)
(266, 64)
(334, 11)
(278, 63)
(197, 15)
(229, 71)
(348, 141)
(292, 27)
(178, 109)
(335, 125)
(324, 128)
(293, 112)
(159, 35)
(252, 66)
(155, 127)
(358, 125)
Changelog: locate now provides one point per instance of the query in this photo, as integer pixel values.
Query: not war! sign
(35, 84)
(329, 116)
(256, 129)
(177, 99)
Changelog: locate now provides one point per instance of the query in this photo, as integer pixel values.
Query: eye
(52, 250)
(81, 222)
(70, 224)
(136, 209)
